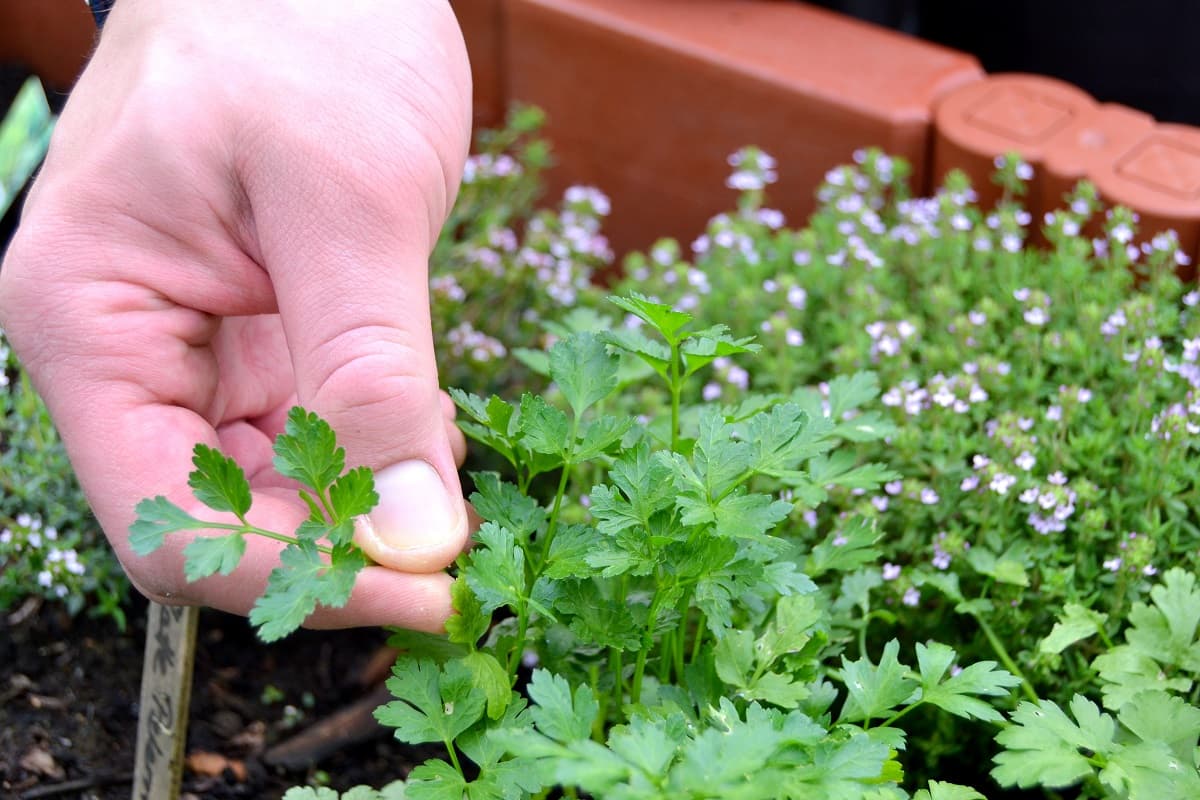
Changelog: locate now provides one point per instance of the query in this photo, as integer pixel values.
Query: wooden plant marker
(163, 712)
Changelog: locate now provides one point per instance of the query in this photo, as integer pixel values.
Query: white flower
(1122, 233)
(905, 328)
(912, 597)
(797, 297)
(1002, 482)
(1022, 294)
(891, 571)
(1054, 413)
(1191, 298)
(1030, 495)
(1057, 478)
(929, 497)
(1112, 564)
(1010, 242)
(1037, 316)
(1025, 461)
(794, 337)
(893, 487)
(977, 318)
(1084, 395)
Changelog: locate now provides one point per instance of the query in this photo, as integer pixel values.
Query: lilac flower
(941, 559)
(711, 391)
(770, 286)
(1001, 483)
(771, 217)
(976, 317)
(797, 298)
(912, 597)
(738, 377)
(810, 518)
(969, 483)
(793, 337)
(881, 503)
(929, 497)
(1149, 570)
(1084, 395)
(1191, 298)
(891, 571)
(1030, 495)
(980, 461)
(801, 258)
(1054, 413)
(1113, 564)
(1025, 461)
(1037, 316)
(1022, 294)
(893, 487)
(1122, 233)
(1057, 478)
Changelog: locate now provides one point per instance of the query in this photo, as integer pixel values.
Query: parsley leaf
(206, 555)
(1043, 744)
(583, 370)
(874, 690)
(953, 693)
(218, 481)
(664, 319)
(156, 517)
(1074, 624)
(433, 704)
(307, 451)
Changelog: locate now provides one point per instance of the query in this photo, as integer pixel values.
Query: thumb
(351, 282)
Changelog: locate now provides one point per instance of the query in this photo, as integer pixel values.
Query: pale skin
(235, 216)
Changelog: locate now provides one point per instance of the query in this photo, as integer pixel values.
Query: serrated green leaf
(206, 555)
(655, 355)
(307, 451)
(1167, 631)
(1042, 746)
(559, 714)
(1074, 624)
(218, 481)
(433, 704)
(1160, 717)
(956, 693)
(1125, 671)
(491, 678)
(583, 370)
(649, 744)
(352, 495)
(544, 429)
(703, 347)
(156, 517)
(435, 780)
(291, 593)
(875, 690)
(664, 319)
(601, 436)
(496, 569)
(503, 503)
(469, 622)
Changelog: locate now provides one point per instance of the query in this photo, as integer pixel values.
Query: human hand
(235, 216)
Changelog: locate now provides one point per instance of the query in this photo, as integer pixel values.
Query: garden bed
(69, 704)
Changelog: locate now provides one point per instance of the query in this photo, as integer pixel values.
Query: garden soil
(69, 704)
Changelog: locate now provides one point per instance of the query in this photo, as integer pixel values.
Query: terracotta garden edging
(645, 99)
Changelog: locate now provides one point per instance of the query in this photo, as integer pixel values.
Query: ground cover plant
(896, 505)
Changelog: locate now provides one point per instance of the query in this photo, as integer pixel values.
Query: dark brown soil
(69, 703)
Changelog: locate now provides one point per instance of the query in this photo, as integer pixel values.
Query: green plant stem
(894, 717)
(698, 640)
(676, 390)
(1005, 659)
(639, 670)
(552, 526)
(454, 757)
(279, 537)
(514, 658)
(617, 667)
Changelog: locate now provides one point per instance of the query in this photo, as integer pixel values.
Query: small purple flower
(711, 391)
(912, 597)
(891, 571)
(969, 483)
(1057, 478)
(1002, 482)
(1030, 495)
(1113, 564)
(941, 559)
(893, 487)
(793, 337)
(1037, 316)
(929, 497)
(1054, 413)
(1025, 461)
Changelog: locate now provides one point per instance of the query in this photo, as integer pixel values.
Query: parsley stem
(676, 390)
(1005, 658)
(514, 657)
(453, 756)
(552, 526)
(279, 537)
